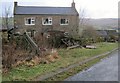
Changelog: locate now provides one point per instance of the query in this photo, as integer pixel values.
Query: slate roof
(102, 33)
(45, 10)
(112, 32)
(106, 33)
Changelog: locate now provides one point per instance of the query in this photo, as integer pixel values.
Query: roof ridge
(45, 6)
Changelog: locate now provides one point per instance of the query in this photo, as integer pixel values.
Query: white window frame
(32, 21)
(49, 21)
(67, 21)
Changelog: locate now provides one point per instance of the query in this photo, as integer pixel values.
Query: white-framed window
(64, 21)
(47, 21)
(30, 21)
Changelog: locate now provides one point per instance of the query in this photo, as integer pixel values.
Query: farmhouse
(44, 19)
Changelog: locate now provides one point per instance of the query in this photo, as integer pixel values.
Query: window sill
(29, 24)
(64, 24)
(46, 24)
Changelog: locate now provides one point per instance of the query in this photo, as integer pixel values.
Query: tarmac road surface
(105, 70)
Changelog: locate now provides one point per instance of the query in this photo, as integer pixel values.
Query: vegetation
(66, 56)
(9, 20)
(16, 49)
(89, 36)
(72, 71)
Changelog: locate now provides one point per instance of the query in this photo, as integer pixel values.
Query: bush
(50, 39)
(89, 35)
(8, 56)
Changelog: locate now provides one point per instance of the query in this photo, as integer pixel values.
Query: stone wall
(72, 27)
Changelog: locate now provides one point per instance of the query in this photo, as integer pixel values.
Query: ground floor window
(30, 21)
(47, 21)
(64, 22)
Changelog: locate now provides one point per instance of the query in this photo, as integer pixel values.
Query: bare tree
(82, 16)
(6, 17)
(82, 20)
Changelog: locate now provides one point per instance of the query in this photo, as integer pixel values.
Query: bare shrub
(8, 56)
(41, 40)
(50, 58)
(54, 53)
(53, 56)
(89, 35)
(12, 57)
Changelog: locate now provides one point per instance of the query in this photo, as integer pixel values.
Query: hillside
(106, 23)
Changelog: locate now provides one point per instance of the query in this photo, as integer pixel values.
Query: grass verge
(75, 70)
(67, 57)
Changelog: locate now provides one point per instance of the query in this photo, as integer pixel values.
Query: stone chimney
(15, 4)
(73, 4)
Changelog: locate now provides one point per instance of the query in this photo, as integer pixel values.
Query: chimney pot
(73, 4)
(15, 4)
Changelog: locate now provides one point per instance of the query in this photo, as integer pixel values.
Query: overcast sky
(92, 8)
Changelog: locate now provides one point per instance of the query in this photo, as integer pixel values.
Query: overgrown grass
(67, 57)
(72, 71)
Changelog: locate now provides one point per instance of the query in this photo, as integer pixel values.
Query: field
(67, 57)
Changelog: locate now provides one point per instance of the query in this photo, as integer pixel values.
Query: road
(105, 70)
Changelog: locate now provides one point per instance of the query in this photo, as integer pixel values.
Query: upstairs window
(64, 22)
(29, 21)
(47, 21)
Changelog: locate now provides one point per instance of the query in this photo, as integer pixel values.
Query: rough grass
(72, 71)
(67, 57)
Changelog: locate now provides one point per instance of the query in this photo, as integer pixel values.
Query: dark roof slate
(102, 32)
(45, 10)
